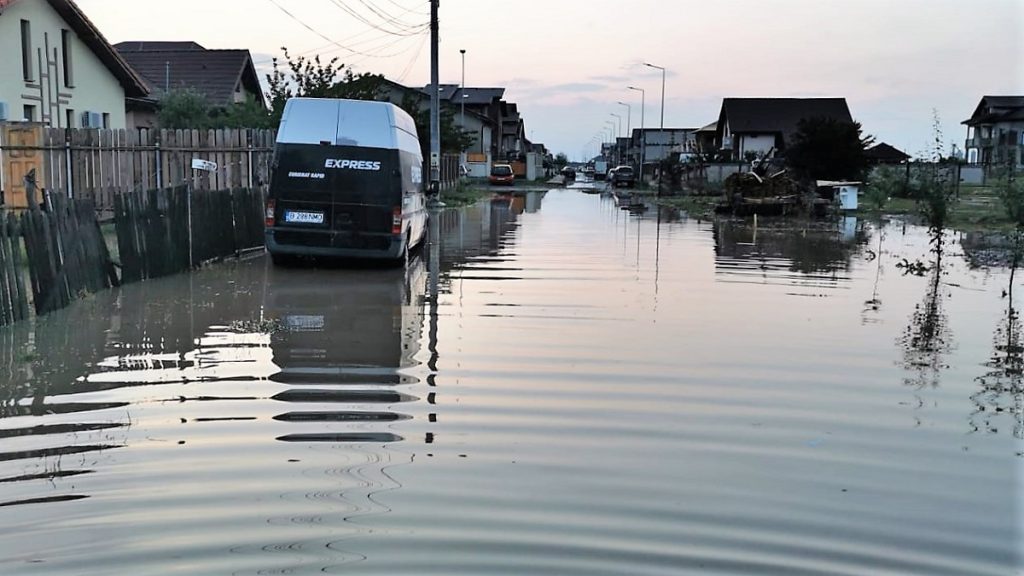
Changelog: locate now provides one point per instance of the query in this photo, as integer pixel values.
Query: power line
(331, 40)
(404, 28)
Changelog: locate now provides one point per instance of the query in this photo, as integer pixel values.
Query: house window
(65, 47)
(970, 132)
(30, 113)
(26, 51)
(106, 121)
(70, 115)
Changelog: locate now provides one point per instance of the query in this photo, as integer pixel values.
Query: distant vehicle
(347, 182)
(569, 173)
(600, 169)
(502, 174)
(588, 172)
(622, 176)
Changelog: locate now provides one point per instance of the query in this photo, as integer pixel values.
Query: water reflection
(1001, 397)
(787, 252)
(928, 339)
(341, 344)
(252, 420)
(482, 229)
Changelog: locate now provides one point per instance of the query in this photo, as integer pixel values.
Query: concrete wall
(95, 88)
(479, 169)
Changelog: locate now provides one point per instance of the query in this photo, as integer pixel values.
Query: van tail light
(269, 215)
(396, 220)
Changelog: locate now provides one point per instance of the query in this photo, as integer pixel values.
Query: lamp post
(462, 91)
(629, 120)
(662, 92)
(643, 137)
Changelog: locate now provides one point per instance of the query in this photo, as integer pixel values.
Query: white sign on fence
(204, 165)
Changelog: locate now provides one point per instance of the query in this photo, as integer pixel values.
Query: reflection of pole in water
(657, 258)
(435, 279)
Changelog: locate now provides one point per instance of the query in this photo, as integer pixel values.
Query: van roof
(342, 122)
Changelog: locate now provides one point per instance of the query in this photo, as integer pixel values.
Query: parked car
(502, 174)
(569, 173)
(588, 172)
(622, 176)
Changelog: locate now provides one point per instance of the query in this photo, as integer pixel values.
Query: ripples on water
(559, 387)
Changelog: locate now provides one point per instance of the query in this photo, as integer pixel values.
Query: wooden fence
(67, 256)
(162, 232)
(99, 165)
(50, 257)
(14, 300)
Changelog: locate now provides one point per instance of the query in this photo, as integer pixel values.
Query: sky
(568, 63)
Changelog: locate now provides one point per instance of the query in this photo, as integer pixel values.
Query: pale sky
(568, 62)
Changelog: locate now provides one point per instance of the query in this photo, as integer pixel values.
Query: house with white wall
(764, 126)
(58, 69)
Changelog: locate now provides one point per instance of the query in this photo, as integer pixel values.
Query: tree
(314, 79)
(249, 114)
(828, 149)
(184, 109)
(561, 160)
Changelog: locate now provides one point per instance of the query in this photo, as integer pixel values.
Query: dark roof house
(223, 76)
(763, 125)
(777, 115)
(995, 133)
(883, 153)
(994, 109)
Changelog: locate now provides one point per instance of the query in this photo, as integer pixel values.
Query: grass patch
(978, 208)
(464, 194)
(696, 206)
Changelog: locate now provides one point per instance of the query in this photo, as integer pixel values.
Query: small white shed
(844, 192)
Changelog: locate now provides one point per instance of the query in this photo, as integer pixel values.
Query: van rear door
(341, 192)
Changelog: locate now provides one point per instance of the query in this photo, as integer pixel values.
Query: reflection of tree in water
(1002, 388)
(928, 338)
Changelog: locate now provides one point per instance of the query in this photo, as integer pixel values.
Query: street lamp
(619, 118)
(462, 92)
(643, 137)
(662, 92)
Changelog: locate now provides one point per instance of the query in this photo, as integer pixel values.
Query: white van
(347, 181)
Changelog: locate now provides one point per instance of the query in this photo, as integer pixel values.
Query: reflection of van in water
(365, 334)
(347, 181)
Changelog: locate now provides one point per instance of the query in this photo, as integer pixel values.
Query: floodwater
(560, 386)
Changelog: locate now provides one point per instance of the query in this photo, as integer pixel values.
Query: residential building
(224, 77)
(995, 132)
(58, 68)
(764, 126)
(883, 153)
(656, 144)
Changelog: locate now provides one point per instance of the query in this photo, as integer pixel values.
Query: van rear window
(501, 171)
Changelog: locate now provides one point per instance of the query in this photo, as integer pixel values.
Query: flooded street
(560, 386)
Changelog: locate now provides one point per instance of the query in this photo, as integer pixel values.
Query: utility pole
(435, 104)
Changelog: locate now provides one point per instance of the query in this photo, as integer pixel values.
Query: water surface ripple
(556, 386)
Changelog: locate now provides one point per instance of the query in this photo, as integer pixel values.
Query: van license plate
(294, 217)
